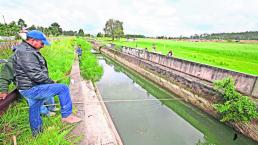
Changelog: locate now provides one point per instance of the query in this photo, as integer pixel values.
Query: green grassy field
(241, 57)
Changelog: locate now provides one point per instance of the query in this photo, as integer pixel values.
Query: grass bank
(89, 66)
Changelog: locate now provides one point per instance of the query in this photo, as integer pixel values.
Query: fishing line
(116, 101)
(67, 76)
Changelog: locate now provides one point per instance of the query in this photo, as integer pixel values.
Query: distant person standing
(170, 54)
(79, 52)
(153, 47)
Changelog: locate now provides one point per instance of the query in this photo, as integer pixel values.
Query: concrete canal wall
(246, 84)
(189, 80)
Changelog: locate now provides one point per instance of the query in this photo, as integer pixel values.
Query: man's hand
(56, 81)
(3, 95)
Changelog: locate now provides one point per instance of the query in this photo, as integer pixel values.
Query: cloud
(148, 17)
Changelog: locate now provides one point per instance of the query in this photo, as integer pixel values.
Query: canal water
(154, 122)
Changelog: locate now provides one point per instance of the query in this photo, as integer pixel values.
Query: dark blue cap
(38, 35)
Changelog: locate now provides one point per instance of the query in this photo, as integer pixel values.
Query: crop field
(241, 57)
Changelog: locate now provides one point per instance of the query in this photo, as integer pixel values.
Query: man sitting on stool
(33, 82)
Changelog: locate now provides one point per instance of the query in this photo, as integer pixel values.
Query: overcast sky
(148, 17)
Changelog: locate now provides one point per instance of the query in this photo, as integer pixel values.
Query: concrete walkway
(97, 127)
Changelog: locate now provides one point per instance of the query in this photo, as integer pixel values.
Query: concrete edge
(107, 115)
(255, 89)
(97, 127)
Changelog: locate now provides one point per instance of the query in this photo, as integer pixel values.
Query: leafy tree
(21, 23)
(32, 27)
(235, 107)
(249, 35)
(2, 29)
(114, 28)
(88, 35)
(99, 34)
(46, 31)
(109, 28)
(70, 33)
(13, 29)
(40, 28)
(55, 29)
(134, 36)
(10, 29)
(119, 30)
(81, 32)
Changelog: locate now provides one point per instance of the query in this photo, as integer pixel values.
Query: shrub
(235, 107)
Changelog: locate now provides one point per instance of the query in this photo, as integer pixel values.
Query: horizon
(148, 17)
(198, 34)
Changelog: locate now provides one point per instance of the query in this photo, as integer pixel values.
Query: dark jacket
(30, 67)
(6, 75)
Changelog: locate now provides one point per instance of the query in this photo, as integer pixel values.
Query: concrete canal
(144, 117)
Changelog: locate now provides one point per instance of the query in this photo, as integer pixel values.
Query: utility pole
(4, 19)
(5, 26)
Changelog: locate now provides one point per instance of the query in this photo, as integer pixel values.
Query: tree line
(114, 29)
(248, 35)
(13, 28)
